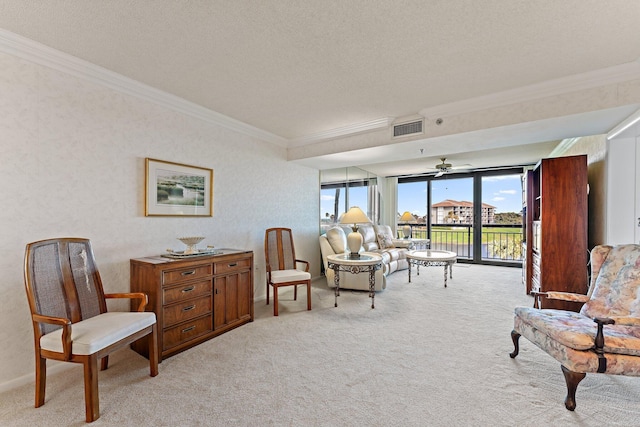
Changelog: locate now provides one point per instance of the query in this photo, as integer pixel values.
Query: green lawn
(463, 235)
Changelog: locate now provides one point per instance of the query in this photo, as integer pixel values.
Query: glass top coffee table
(363, 264)
(431, 258)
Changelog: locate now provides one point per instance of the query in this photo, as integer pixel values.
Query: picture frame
(175, 189)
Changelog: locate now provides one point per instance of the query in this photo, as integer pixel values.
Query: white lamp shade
(407, 217)
(354, 216)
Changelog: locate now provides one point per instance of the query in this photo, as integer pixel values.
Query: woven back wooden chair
(70, 318)
(282, 265)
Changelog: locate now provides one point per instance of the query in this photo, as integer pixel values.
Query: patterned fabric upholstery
(385, 237)
(614, 293)
(617, 286)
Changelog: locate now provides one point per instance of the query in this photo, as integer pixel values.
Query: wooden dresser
(194, 299)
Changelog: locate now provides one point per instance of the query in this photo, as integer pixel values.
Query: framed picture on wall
(174, 189)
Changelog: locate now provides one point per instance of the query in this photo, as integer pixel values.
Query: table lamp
(354, 216)
(406, 218)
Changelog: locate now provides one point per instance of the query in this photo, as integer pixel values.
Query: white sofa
(377, 239)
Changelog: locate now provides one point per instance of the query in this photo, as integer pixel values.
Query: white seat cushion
(281, 276)
(94, 334)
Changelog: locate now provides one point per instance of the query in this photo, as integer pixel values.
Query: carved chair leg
(41, 380)
(295, 292)
(515, 337)
(572, 379)
(309, 295)
(91, 399)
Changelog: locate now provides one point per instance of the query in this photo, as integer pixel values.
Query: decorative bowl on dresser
(196, 298)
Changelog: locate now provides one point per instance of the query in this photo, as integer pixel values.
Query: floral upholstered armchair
(604, 337)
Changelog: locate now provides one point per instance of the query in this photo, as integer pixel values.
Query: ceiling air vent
(409, 128)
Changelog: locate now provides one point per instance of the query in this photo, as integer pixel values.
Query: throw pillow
(385, 241)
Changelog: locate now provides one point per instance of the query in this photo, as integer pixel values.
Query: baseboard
(30, 378)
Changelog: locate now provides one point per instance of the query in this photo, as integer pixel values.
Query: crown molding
(577, 82)
(349, 130)
(564, 146)
(626, 124)
(38, 53)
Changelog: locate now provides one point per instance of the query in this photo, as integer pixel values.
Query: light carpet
(425, 356)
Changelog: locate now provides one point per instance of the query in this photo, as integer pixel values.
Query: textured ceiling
(299, 68)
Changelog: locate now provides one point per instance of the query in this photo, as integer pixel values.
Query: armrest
(402, 243)
(132, 295)
(304, 262)
(66, 331)
(626, 321)
(567, 296)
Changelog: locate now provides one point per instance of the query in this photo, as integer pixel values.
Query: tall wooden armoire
(556, 228)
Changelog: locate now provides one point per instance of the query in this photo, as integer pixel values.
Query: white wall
(72, 164)
(623, 185)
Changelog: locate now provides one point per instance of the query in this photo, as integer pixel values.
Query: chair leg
(275, 300)
(295, 292)
(309, 295)
(572, 379)
(153, 351)
(41, 380)
(515, 337)
(91, 398)
(274, 291)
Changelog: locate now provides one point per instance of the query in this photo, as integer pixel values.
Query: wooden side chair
(70, 318)
(282, 265)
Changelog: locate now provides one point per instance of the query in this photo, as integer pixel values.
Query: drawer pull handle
(188, 273)
(191, 307)
(189, 289)
(233, 265)
(190, 328)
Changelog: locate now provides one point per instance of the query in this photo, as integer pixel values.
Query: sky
(504, 192)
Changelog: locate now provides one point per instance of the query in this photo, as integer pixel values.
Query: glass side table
(366, 263)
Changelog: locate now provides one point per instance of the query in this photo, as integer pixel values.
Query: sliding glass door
(477, 215)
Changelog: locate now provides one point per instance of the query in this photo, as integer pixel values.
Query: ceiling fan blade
(439, 174)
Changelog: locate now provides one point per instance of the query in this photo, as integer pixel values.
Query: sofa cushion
(337, 239)
(369, 238)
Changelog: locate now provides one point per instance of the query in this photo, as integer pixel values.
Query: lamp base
(354, 243)
(406, 230)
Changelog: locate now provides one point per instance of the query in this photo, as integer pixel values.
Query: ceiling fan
(445, 167)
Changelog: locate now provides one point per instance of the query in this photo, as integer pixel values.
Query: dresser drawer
(186, 331)
(189, 309)
(176, 276)
(185, 291)
(231, 266)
